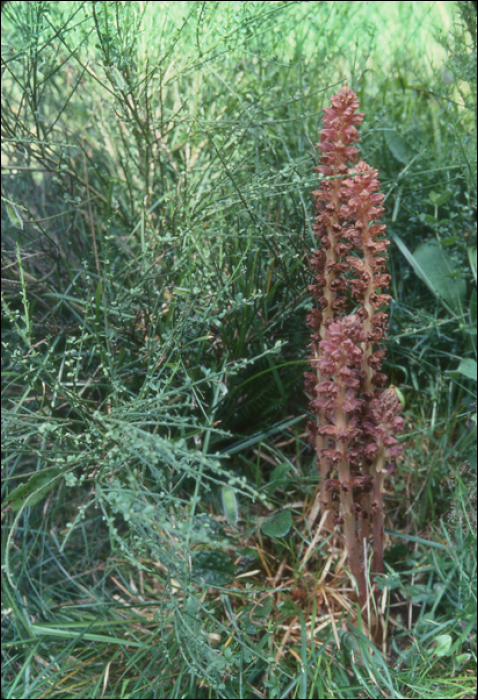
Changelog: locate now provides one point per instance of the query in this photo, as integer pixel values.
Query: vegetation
(356, 418)
(158, 532)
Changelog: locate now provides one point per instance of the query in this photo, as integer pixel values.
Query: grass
(157, 481)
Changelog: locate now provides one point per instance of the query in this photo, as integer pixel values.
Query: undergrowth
(157, 164)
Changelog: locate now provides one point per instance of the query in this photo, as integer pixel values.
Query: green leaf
(34, 490)
(68, 630)
(229, 503)
(451, 240)
(435, 269)
(398, 147)
(472, 259)
(278, 477)
(14, 216)
(214, 567)
(278, 525)
(468, 367)
(419, 593)
(439, 199)
(442, 645)
(119, 80)
(401, 397)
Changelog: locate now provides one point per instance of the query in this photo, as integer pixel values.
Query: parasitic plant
(356, 419)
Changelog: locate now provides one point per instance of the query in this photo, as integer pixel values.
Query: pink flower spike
(356, 422)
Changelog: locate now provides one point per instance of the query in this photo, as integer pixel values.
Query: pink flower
(356, 421)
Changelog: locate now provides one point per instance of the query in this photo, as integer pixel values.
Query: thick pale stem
(325, 497)
(378, 519)
(352, 541)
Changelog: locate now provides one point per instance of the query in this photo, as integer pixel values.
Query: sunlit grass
(160, 157)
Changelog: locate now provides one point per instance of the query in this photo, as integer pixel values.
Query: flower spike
(356, 421)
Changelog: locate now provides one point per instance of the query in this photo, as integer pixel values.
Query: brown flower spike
(356, 420)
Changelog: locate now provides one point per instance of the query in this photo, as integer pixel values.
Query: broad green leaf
(14, 216)
(278, 525)
(463, 658)
(419, 593)
(34, 490)
(436, 270)
(280, 471)
(442, 645)
(229, 503)
(213, 566)
(439, 199)
(398, 147)
(451, 240)
(468, 367)
(278, 477)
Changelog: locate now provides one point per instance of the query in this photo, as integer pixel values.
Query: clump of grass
(157, 166)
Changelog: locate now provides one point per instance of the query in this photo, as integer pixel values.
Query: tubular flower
(329, 262)
(356, 421)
